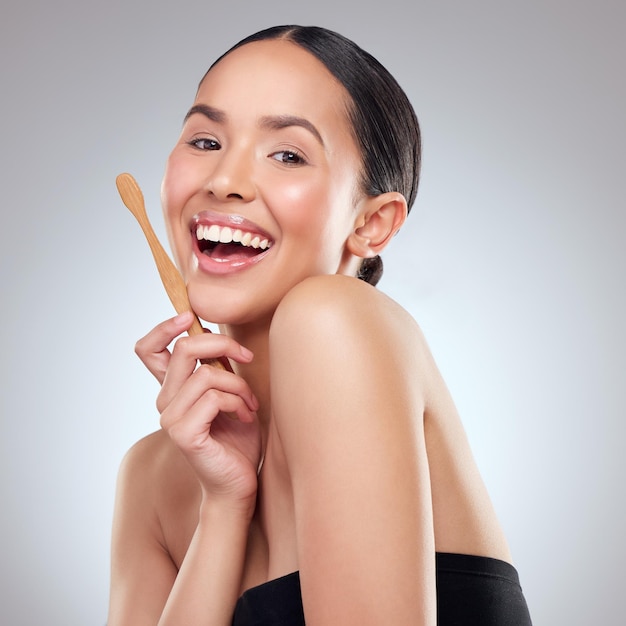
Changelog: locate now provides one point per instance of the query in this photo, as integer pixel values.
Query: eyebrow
(214, 115)
(270, 122)
(277, 122)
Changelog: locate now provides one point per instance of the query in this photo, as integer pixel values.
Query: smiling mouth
(223, 243)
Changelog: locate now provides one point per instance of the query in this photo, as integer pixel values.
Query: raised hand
(194, 399)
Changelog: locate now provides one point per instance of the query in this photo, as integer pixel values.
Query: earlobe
(380, 218)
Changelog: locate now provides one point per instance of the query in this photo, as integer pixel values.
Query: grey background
(512, 261)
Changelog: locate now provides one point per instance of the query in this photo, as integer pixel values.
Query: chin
(221, 305)
(209, 304)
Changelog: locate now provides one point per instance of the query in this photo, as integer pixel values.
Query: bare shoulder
(338, 290)
(137, 484)
(346, 351)
(151, 489)
(348, 401)
(145, 458)
(152, 473)
(345, 310)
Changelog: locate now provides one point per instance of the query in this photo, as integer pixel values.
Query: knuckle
(205, 372)
(213, 400)
(140, 348)
(175, 433)
(213, 395)
(182, 347)
(161, 404)
(165, 422)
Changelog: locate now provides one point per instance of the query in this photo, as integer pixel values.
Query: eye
(205, 143)
(288, 157)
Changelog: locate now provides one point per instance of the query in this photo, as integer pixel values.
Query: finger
(221, 363)
(211, 346)
(190, 426)
(182, 380)
(185, 355)
(152, 349)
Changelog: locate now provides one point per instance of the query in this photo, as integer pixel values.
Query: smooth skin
(346, 459)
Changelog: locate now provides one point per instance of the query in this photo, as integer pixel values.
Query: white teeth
(212, 233)
(225, 234)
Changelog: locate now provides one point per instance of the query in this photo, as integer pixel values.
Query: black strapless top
(471, 591)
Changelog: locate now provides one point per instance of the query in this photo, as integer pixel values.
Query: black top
(471, 591)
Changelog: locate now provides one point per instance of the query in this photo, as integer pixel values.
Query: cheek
(175, 188)
(303, 203)
(173, 185)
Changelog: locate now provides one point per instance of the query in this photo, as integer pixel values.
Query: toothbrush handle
(170, 276)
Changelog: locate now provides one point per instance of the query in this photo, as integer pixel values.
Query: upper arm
(348, 403)
(142, 572)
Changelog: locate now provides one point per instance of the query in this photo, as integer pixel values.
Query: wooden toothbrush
(170, 276)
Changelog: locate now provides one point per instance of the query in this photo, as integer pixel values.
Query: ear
(380, 218)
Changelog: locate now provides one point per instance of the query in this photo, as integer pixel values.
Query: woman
(327, 477)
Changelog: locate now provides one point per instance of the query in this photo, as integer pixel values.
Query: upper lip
(230, 227)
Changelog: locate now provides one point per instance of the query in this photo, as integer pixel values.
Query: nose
(231, 178)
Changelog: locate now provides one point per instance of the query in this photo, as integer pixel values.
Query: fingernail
(248, 354)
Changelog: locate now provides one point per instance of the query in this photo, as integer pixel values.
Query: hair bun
(371, 270)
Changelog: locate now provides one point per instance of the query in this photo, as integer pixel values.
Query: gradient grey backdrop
(513, 263)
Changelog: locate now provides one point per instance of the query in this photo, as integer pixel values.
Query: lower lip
(214, 266)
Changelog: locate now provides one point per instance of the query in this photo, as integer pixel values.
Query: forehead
(275, 77)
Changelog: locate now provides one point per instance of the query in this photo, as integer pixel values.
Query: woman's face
(266, 159)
